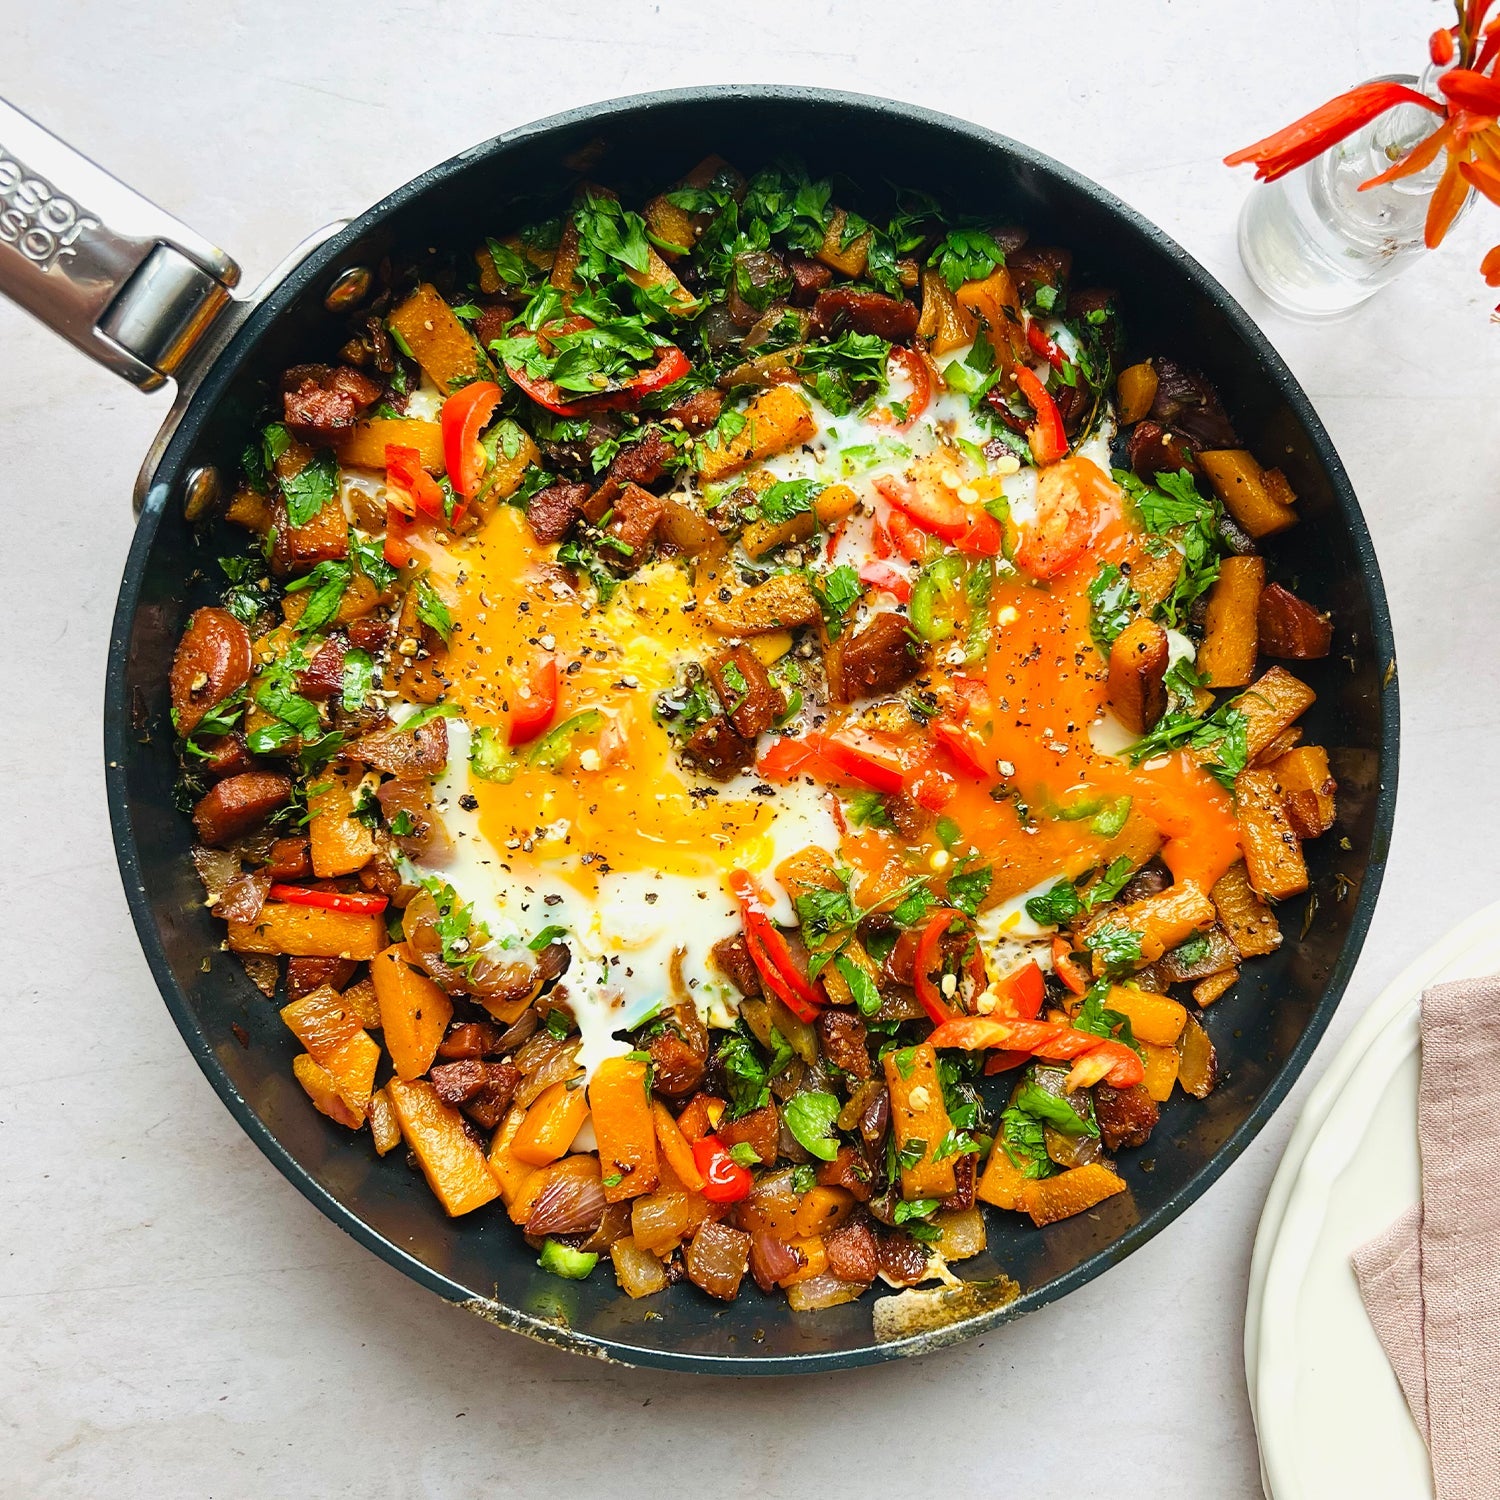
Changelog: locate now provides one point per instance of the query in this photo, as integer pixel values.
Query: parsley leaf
(1117, 946)
(845, 371)
(1224, 732)
(1024, 1142)
(359, 678)
(838, 591)
(967, 889)
(311, 488)
(861, 986)
(432, 611)
(788, 498)
(966, 255)
(1112, 601)
(1175, 508)
(327, 582)
(1051, 1110)
(745, 1073)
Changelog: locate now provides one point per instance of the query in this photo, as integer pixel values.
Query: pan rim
(118, 733)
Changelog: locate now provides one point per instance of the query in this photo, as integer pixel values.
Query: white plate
(1393, 999)
(1329, 1414)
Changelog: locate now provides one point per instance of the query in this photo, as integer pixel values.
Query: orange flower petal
(1490, 267)
(1421, 156)
(1452, 191)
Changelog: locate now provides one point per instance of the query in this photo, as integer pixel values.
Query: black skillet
(146, 296)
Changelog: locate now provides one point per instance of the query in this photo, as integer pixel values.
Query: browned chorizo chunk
(847, 1170)
(809, 277)
(369, 634)
(470, 1039)
(760, 1130)
(901, 1259)
(677, 1068)
(481, 1089)
(844, 1042)
(719, 750)
(632, 524)
(751, 700)
(237, 804)
(732, 958)
(227, 755)
(1153, 450)
(324, 674)
(491, 323)
(851, 1252)
(290, 860)
(841, 307)
(552, 511)
(1033, 267)
(879, 657)
(697, 412)
(404, 752)
(1187, 403)
(645, 460)
(717, 1258)
(213, 660)
(324, 538)
(966, 1176)
(1126, 1116)
(1290, 628)
(304, 975)
(321, 402)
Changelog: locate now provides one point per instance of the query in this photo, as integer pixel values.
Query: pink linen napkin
(1431, 1282)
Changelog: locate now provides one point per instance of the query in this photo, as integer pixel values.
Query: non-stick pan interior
(1263, 1032)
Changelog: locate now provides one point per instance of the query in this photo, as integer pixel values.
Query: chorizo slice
(213, 660)
(238, 803)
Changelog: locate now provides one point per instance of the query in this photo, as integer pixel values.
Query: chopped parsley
(1112, 602)
(311, 488)
(810, 1118)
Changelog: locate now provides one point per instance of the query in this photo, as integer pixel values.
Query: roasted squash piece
(841, 251)
(414, 1011)
(1163, 921)
(1271, 705)
(453, 1165)
(995, 307)
(1002, 1181)
(830, 507)
(363, 447)
(340, 843)
(1250, 923)
(920, 1121)
(1307, 789)
(323, 1090)
(1240, 482)
(1049, 1199)
(619, 1102)
(1273, 852)
(444, 348)
(1227, 656)
(337, 1042)
(783, 602)
(385, 1128)
(1137, 667)
(553, 1120)
(1161, 1070)
(1198, 1070)
(1206, 991)
(1157, 1019)
(1136, 387)
(944, 325)
(309, 932)
(776, 420)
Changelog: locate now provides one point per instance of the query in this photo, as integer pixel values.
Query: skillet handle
(107, 269)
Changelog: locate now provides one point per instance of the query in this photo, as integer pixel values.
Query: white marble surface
(174, 1319)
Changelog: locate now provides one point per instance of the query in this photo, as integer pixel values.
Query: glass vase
(1318, 247)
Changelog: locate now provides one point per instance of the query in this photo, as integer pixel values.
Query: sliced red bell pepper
(966, 747)
(1037, 337)
(1023, 991)
(863, 759)
(913, 364)
(880, 540)
(929, 959)
(881, 575)
(787, 758)
(1054, 1040)
(770, 953)
(724, 1179)
(408, 486)
(940, 512)
(466, 413)
(529, 716)
(1064, 967)
(908, 541)
(1047, 438)
(303, 895)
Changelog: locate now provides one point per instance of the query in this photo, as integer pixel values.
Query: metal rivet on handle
(348, 290)
(200, 490)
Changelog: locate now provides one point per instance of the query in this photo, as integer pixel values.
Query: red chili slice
(465, 415)
(769, 951)
(302, 895)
